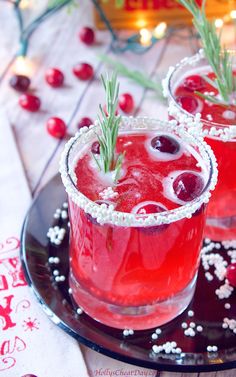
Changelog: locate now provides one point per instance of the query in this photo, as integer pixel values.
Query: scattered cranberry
(56, 127)
(87, 35)
(95, 148)
(20, 83)
(165, 144)
(126, 103)
(54, 77)
(29, 375)
(29, 102)
(190, 104)
(84, 122)
(83, 71)
(148, 209)
(193, 83)
(188, 186)
(231, 274)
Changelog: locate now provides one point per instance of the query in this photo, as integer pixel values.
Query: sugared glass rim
(109, 215)
(214, 129)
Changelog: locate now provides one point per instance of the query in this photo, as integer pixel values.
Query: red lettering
(132, 5)
(14, 269)
(3, 283)
(7, 363)
(9, 346)
(5, 312)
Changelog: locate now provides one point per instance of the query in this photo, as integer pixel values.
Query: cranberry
(95, 148)
(193, 83)
(54, 77)
(231, 274)
(126, 103)
(87, 35)
(83, 71)
(188, 186)
(165, 144)
(56, 127)
(190, 104)
(29, 102)
(29, 375)
(149, 208)
(84, 122)
(20, 83)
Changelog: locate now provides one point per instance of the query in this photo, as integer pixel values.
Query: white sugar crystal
(199, 328)
(79, 311)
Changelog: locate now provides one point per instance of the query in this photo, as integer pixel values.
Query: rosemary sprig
(109, 123)
(219, 58)
(136, 76)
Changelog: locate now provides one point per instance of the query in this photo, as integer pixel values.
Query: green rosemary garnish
(138, 77)
(219, 58)
(109, 123)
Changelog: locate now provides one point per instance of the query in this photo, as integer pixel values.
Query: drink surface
(186, 97)
(132, 266)
(147, 173)
(221, 212)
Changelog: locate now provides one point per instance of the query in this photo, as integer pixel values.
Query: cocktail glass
(136, 269)
(218, 125)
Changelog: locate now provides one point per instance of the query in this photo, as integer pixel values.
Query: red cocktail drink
(135, 244)
(219, 130)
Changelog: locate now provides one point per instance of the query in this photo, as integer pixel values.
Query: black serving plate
(134, 349)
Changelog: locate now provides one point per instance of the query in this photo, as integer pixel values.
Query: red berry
(54, 77)
(29, 102)
(148, 208)
(126, 103)
(84, 122)
(95, 148)
(188, 186)
(165, 144)
(190, 104)
(194, 82)
(56, 127)
(231, 274)
(83, 71)
(87, 36)
(29, 375)
(20, 83)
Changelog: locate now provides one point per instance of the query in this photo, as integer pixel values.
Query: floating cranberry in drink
(135, 242)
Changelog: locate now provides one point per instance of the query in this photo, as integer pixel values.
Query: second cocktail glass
(217, 123)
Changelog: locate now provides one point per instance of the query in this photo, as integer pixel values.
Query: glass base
(135, 317)
(221, 228)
